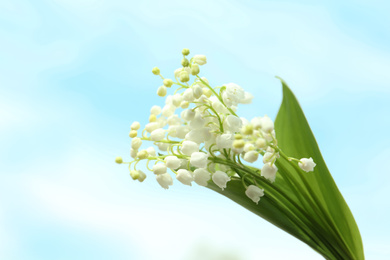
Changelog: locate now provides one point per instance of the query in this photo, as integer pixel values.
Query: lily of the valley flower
(307, 164)
(254, 193)
(200, 137)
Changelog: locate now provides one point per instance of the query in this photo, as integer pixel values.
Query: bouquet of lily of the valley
(273, 169)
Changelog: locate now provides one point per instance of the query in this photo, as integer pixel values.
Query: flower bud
(159, 168)
(188, 95)
(266, 124)
(177, 99)
(201, 176)
(200, 59)
(151, 151)
(195, 69)
(197, 90)
(156, 71)
(135, 125)
(165, 180)
(269, 171)
(119, 160)
(184, 104)
(133, 153)
(207, 92)
(168, 83)
(136, 143)
(307, 164)
(185, 51)
(143, 154)
(134, 174)
(185, 62)
(184, 76)
(162, 91)
(249, 147)
(261, 143)
(184, 176)
(152, 118)
(247, 130)
(199, 159)
(254, 193)
(155, 110)
(251, 156)
(133, 133)
(157, 135)
(237, 136)
(150, 127)
(220, 179)
(238, 144)
(141, 176)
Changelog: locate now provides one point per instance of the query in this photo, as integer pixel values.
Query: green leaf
(308, 206)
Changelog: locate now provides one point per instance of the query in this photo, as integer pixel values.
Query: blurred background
(75, 74)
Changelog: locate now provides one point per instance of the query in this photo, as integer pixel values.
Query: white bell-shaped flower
(135, 125)
(151, 151)
(267, 157)
(256, 122)
(247, 98)
(155, 110)
(200, 59)
(197, 91)
(150, 127)
(165, 180)
(168, 110)
(142, 176)
(133, 153)
(248, 147)
(269, 171)
(267, 125)
(189, 147)
(251, 156)
(159, 168)
(199, 159)
(188, 95)
(220, 178)
(177, 99)
(136, 143)
(184, 176)
(174, 120)
(157, 135)
(254, 193)
(199, 135)
(217, 105)
(172, 162)
(201, 176)
(225, 141)
(233, 123)
(182, 131)
(187, 115)
(233, 93)
(307, 164)
(197, 122)
(163, 146)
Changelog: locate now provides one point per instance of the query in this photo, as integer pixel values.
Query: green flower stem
(299, 215)
(316, 205)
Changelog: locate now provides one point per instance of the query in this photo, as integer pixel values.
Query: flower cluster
(200, 138)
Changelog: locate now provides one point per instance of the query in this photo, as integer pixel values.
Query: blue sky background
(75, 74)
